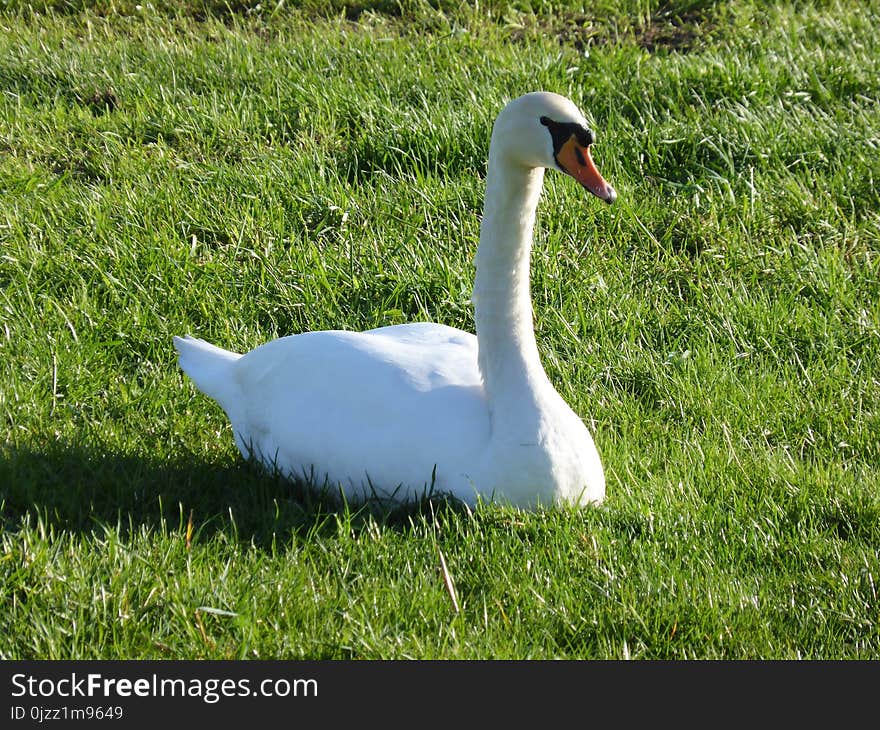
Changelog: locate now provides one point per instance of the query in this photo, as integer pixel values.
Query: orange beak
(575, 159)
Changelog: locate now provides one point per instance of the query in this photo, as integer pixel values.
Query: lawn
(241, 172)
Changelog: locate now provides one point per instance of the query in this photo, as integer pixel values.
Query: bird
(404, 411)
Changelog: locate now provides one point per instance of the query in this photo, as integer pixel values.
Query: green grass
(241, 175)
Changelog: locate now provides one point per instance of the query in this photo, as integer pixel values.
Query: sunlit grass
(240, 176)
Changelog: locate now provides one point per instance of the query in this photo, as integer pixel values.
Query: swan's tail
(210, 367)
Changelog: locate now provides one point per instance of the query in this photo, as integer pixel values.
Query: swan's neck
(508, 354)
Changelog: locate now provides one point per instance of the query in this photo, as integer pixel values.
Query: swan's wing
(389, 404)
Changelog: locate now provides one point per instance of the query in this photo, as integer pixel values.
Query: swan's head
(542, 129)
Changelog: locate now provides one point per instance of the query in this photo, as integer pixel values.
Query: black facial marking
(561, 132)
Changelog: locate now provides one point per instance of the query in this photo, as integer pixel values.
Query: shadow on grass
(81, 489)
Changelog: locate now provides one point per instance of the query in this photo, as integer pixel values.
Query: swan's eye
(562, 132)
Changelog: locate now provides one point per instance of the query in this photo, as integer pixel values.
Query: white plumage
(395, 411)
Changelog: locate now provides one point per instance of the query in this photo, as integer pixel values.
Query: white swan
(398, 411)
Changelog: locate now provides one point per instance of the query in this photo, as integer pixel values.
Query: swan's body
(400, 410)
